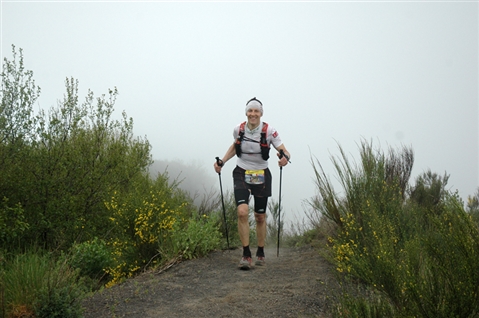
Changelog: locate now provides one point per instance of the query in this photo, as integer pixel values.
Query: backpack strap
(264, 143)
(239, 140)
(265, 148)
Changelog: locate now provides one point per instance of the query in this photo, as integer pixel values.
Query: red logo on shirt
(275, 134)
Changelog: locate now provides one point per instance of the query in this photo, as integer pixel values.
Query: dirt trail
(296, 284)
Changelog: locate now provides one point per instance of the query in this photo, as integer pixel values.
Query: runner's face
(254, 116)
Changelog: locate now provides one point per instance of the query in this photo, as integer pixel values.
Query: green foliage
(374, 305)
(62, 302)
(83, 155)
(17, 134)
(200, 236)
(12, 223)
(231, 212)
(472, 206)
(18, 95)
(443, 264)
(24, 279)
(60, 165)
(301, 237)
(91, 257)
(419, 251)
(429, 189)
(37, 285)
(75, 180)
(143, 220)
(362, 182)
(211, 206)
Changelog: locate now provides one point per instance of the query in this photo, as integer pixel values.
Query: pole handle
(220, 162)
(282, 154)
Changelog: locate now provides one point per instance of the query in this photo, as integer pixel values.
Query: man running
(251, 176)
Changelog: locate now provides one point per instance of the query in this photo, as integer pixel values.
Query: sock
(260, 251)
(246, 251)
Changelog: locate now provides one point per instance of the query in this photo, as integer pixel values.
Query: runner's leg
(243, 224)
(260, 227)
(260, 204)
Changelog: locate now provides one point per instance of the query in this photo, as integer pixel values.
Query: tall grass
(414, 246)
(35, 285)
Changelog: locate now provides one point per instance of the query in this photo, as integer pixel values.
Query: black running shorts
(242, 190)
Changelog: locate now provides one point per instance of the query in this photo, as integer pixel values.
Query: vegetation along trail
(296, 284)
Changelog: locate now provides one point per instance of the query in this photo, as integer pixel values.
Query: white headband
(254, 103)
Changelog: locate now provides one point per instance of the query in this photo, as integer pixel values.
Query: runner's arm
(283, 161)
(230, 153)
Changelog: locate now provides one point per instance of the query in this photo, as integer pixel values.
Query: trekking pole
(281, 154)
(219, 162)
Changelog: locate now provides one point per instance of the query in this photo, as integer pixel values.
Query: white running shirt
(251, 151)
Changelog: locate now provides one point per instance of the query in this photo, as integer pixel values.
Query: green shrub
(35, 283)
(61, 302)
(12, 222)
(420, 252)
(143, 221)
(91, 257)
(24, 279)
(59, 164)
(373, 305)
(200, 236)
(443, 264)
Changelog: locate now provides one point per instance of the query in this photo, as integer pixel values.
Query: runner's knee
(243, 211)
(260, 217)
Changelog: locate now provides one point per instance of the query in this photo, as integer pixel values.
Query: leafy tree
(82, 154)
(61, 164)
(17, 135)
(18, 94)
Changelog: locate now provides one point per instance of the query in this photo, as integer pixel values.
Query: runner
(251, 176)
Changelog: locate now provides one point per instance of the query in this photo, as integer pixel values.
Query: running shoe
(260, 261)
(245, 262)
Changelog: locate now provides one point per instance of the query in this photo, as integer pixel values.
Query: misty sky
(328, 73)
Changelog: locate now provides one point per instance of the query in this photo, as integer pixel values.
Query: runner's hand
(218, 165)
(282, 161)
(217, 168)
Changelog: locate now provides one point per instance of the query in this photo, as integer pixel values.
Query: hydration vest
(263, 143)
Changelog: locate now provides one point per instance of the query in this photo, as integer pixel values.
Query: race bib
(254, 176)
